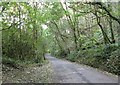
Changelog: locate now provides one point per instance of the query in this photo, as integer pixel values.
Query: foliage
(112, 63)
(20, 34)
(77, 31)
(98, 58)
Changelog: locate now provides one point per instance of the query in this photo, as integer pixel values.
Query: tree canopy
(78, 31)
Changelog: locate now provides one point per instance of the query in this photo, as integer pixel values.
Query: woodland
(82, 32)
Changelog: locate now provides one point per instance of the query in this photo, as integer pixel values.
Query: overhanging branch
(100, 5)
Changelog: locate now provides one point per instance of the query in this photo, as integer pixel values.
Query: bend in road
(68, 72)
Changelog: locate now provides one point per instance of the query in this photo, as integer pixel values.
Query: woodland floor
(34, 73)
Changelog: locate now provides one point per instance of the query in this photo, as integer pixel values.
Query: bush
(10, 62)
(72, 56)
(112, 64)
(60, 53)
(108, 50)
(105, 58)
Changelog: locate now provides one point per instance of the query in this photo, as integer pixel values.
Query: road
(68, 72)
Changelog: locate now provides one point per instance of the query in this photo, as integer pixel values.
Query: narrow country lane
(67, 72)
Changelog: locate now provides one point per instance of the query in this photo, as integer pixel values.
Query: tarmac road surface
(68, 72)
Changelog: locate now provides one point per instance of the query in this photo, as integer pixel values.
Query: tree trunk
(111, 30)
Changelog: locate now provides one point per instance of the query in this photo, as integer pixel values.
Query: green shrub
(10, 62)
(112, 64)
(105, 58)
(60, 53)
(108, 50)
(72, 56)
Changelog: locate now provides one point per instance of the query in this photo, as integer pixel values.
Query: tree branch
(8, 27)
(105, 9)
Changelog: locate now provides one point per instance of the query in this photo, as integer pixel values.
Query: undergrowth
(102, 57)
